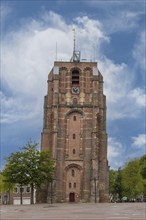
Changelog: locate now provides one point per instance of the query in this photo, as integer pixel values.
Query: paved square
(81, 211)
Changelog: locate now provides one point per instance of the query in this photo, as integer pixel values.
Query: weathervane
(76, 54)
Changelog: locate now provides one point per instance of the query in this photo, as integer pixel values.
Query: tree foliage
(130, 181)
(29, 166)
(142, 164)
(115, 184)
(118, 184)
(4, 185)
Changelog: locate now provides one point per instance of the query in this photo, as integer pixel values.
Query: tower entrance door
(72, 197)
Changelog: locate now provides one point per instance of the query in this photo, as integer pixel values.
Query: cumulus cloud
(139, 53)
(139, 141)
(127, 21)
(90, 36)
(28, 55)
(122, 100)
(116, 150)
(138, 96)
(120, 16)
(14, 109)
(54, 20)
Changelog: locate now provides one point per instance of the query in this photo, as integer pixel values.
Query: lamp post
(21, 190)
(95, 180)
(51, 191)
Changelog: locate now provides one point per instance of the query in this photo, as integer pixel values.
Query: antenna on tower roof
(76, 54)
(74, 39)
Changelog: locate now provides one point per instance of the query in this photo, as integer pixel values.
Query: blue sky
(110, 32)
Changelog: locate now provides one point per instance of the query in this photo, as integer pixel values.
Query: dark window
(21, 189)
(74, 151)
(72, 172)
(75, 77)
(74, 136)
(74, 118)
(69, 185)
(28, 189)
(74, 185)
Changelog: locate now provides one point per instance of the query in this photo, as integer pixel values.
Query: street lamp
(52, 191)
(95, 180)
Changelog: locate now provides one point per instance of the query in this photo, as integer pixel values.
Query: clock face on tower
(75, 90)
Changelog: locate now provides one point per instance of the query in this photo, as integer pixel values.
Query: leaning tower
(74, 130)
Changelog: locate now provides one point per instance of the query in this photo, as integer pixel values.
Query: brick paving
(80, 211)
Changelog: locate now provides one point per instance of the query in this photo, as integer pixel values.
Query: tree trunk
(32, 193)
(21, 202)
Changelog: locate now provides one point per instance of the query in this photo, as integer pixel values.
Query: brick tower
(74, 131)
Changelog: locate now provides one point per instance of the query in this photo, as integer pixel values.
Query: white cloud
(14, 109)
(54, 20)
(139, 51)
(28, 55)
(139, 141)
(122, 16)
(122, 100)
(90, 28)
(115, 77)
(116, 150)
(90, 36)
(138, 96)
(125, 21)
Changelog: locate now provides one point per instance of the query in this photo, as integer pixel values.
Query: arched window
(69, 185)
(75, 77)
(74, 118)
(74, 136)
(74, 151)
(74, 185)
(72, 172)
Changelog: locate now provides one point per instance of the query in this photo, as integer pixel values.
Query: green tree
(29, 166)
(142, 167)
(15, 171)
(118, 184)
(6, 187)
(39, 167)
(112, 181)
(142, 164)
(115, 184)
(132, 179)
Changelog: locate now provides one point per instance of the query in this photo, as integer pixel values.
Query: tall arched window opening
(75, 77)
(72, 172)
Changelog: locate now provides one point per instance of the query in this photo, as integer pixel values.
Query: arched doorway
(72, 197)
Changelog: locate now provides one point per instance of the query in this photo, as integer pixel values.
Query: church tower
(74, 130)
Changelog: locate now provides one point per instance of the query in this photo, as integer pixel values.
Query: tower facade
(74, 130)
